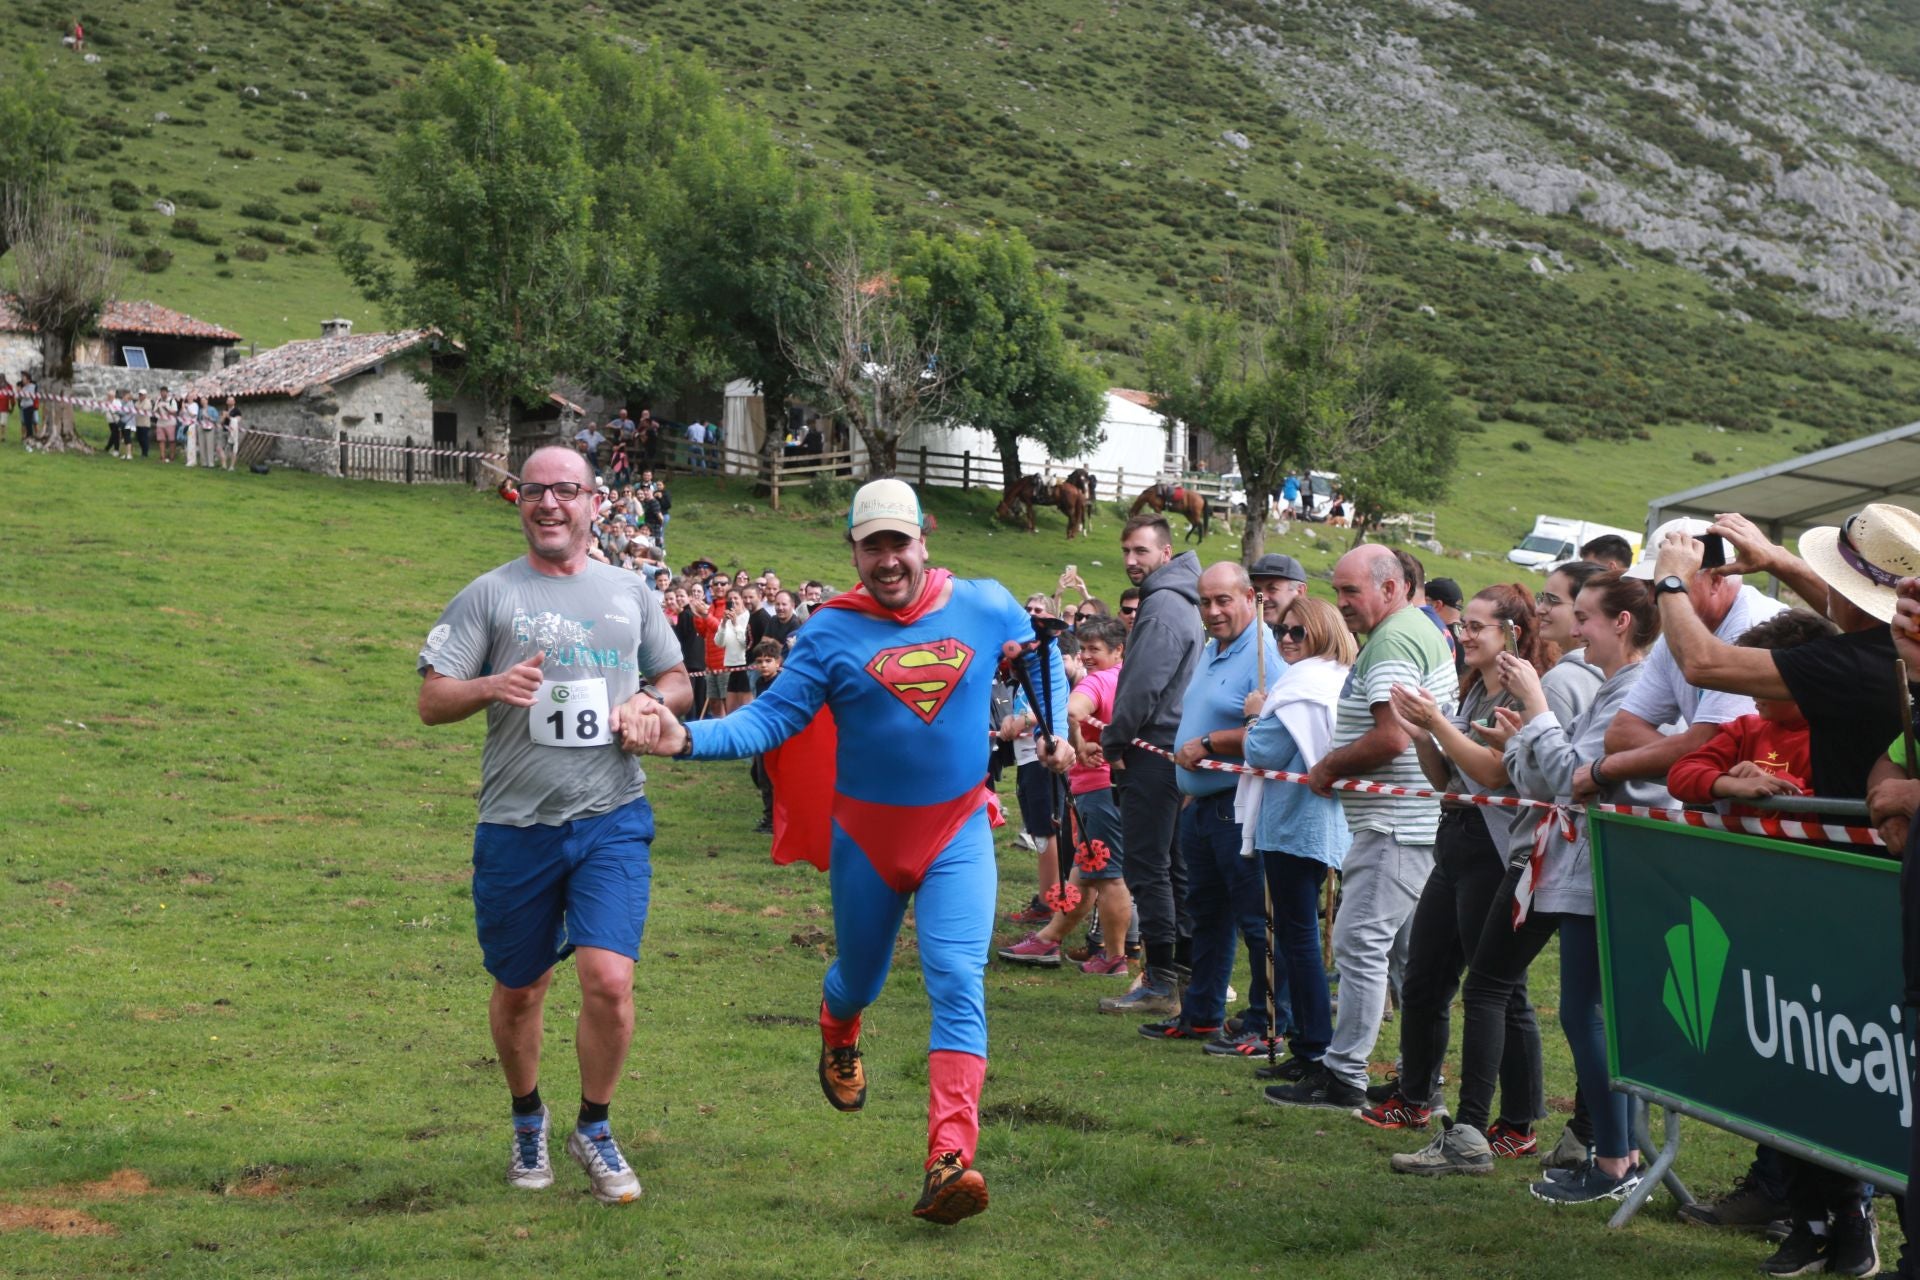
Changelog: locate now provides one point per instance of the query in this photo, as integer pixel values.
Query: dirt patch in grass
(1041, 1111)
(118, 1185)
(55, 1222)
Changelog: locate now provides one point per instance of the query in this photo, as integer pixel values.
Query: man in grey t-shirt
(555, 647)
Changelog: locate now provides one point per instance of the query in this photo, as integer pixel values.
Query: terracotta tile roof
(311, 362)
(133, 317)
(1145, 399)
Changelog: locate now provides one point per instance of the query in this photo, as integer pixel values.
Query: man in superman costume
(875, 735)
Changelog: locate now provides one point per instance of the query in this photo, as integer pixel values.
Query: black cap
(1443, 591)
(1275, 565)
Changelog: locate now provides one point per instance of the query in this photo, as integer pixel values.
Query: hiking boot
(1745, 1208)
(607, 1171)
(1105, 966)
(842, 1078)
(1801, 1253)
(1395, 1113)
(1237, 1043)
(1510, 1142)
(952, 1192)
(1569, 1153)
(1587, 1184)
(1032, 949)
(1853, 1243)
(529, 1168)
(1035, 912)
(1155, 994)
(1291, 1070)
(1457, 1148)
(1321, 1089)
(1175, 1029)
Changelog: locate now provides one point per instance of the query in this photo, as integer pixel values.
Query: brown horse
(1028, 492)
(1171, 499)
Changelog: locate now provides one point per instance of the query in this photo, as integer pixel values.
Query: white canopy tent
(1823, 488)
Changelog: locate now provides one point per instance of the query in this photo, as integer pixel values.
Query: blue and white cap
(884, 506)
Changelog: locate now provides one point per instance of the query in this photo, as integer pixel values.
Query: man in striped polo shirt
(1392, 851)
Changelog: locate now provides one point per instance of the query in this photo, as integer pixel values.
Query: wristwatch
(1206, 743)
(1672, 582)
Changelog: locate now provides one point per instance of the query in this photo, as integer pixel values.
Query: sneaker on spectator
(1510, 1142)
(1291, 1070)
(1236, 1043)
(530, 1168)
(764, 827)
(1035, 912)
(1568, 1153)
(1105, 966)
(1457, 1148)
(1779, 1229)
(1032, 949)
(1321, 1089)
(1176, 1028)
(1745, 1208)
(607, 1170)
(1587, 1184)
(1082, 952)
(1853, 1244)
(1390, 1088)
(1025, 841)
(1155, 994)
(1801, 1253)
(1395, 1113)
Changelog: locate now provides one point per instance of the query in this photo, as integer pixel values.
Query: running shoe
(1155, 994)
(1035, 912)
(1032, 949)
(1236, 1043)
(529, 1168)
(1509, 1142)
(607, 1170)
(1105, 966)
(1586, 1185)
(952, 1191)
(842, 1078)
(1321, 1089)
(1175, 1028)
(1395, 1113)
(1290, 1070)
(1853, 1248)
(1801, 1253)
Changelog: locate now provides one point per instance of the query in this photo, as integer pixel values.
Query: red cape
(802, 768)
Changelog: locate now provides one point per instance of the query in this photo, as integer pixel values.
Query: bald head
(1228, 575)
(555, 454)
(1369, 586)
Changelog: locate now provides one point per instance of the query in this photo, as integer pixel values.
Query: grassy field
(243, 1029)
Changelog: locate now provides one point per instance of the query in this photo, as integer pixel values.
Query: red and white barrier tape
(429, 451)
(1779, 828)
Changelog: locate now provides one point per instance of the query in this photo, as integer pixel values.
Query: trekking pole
(1266, 886)
(1906, 717)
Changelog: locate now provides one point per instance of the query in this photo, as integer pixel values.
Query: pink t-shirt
(1099, 686)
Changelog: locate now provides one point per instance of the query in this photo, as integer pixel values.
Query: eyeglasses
(1128, 610)
(1295, 633)
(564, 491)
(1547, 600)
(1475, 628)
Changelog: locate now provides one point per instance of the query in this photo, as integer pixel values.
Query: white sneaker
(611, 1176)
(529, 1168)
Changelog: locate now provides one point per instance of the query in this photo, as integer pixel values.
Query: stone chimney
(338, 327)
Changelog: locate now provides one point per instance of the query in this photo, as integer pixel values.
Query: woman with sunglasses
(1300, 836)
(1470, 858)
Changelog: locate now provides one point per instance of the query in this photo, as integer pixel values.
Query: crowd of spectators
(195, 431)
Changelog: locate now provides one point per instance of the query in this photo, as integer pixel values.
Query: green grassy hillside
(1097, 128)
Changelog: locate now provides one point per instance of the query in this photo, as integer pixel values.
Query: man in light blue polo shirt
(1223, 888)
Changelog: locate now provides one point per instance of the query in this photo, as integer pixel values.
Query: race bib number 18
(570, 713)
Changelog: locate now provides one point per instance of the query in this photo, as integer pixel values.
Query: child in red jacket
(1759, 755)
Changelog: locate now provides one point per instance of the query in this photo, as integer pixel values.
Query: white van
(1558, 539)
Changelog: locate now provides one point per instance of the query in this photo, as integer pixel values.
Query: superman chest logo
(922, 675)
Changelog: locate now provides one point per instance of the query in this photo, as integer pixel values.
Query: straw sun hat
(1866, 556)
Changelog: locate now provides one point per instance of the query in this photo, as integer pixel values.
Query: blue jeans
(1300, 979)
(1223, 894)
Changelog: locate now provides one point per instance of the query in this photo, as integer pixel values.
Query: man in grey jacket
(1161, 651)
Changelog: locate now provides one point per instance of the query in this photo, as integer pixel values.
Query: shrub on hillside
(251, 253)
(263, 210)
(154, 260)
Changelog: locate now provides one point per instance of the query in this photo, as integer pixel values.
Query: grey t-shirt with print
(600, 622)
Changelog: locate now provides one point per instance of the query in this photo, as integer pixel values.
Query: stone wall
(99, 382)
(19, 352)
(389, 405)
(311, 417)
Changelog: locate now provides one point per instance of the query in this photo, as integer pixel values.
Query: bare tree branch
(62, 279)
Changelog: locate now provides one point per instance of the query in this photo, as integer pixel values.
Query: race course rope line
(101, 406)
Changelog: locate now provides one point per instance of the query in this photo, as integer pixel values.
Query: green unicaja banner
(1758, 983)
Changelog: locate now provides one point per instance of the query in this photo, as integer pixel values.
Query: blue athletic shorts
(1034, 788)
(541, 891)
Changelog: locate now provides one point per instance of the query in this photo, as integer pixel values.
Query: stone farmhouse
(173, 347)
(364, 388)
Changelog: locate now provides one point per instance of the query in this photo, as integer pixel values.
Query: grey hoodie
(1542, 759)
(1161, 650)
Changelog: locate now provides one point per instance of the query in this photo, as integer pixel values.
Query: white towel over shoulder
(1303, 699)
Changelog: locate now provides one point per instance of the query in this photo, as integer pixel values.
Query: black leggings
(1469, 869)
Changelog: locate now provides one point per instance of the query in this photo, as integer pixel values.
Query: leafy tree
(1013, 374)
(62, 279)
(697, 185)
(34, 139)
(489, 206)
(1399, 444)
